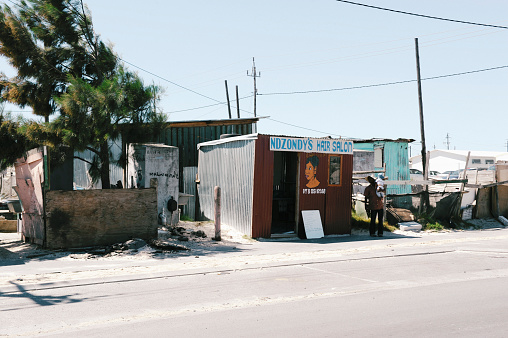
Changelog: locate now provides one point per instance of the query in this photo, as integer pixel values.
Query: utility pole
(227, 97)
(447, 141)
(237, 103)
(254, 75)
(424, 202)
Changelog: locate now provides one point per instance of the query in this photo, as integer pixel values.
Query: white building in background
(444, 160)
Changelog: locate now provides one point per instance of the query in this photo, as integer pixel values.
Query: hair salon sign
(311, 145)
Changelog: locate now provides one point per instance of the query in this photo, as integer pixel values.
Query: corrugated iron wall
(82, 179)
(187, 138)
(339, 201)
(263, 189)
(397, 168)
(189, 187)
(396, 158)
(231, 167)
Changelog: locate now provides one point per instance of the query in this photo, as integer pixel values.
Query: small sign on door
(312, 224)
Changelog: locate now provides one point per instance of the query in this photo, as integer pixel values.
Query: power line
(422, 15)
(173, 83)
(192, 91)
(304, 128)
(208, 106)
(382, 84)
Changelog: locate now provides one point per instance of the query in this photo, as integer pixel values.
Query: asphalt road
(446, 285)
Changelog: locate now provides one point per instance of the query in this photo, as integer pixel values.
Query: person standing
(375, 204)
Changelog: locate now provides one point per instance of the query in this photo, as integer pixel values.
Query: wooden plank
(429, 182)
(480, 186)
(368, 172)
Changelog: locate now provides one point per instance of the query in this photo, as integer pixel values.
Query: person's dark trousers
(372, 228)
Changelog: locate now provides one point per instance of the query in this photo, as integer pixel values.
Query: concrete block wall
(86, 218)
(8, 225)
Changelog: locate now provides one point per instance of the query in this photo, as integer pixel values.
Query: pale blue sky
(320, 45)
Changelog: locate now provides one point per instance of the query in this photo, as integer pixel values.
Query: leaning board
(312, 224)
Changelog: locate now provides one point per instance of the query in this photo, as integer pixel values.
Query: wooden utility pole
(237, 103)
(254, 75)
(227, 97)
(424, 201)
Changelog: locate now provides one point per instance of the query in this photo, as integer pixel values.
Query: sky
(311, 57)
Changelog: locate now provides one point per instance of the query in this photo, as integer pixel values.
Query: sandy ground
(201, 254)
(12, 248)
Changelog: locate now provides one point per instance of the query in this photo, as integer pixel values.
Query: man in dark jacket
(375, 204)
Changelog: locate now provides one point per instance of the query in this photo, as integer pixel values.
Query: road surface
(447, 285)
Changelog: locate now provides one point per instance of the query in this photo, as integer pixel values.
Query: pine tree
(63, 67)
(46, 41)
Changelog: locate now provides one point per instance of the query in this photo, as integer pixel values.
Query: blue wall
(396, 158)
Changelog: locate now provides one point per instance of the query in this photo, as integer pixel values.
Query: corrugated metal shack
(394, 155)
(266, 181)
(186, 135)
(182, 134)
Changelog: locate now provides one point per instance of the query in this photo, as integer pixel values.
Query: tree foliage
(13, 143)
(63, 67)
(46, 41)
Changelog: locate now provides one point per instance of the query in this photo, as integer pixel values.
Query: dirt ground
(187, 239)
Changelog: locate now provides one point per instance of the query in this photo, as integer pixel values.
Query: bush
(429, 223)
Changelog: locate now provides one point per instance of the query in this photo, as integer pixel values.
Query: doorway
(285, 170)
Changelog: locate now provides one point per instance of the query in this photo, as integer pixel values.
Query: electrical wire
(304, 128)
(421, 15)
(173, 83)
(382, 84)
(210, 105)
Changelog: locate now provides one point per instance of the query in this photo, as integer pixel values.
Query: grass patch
(186, 218)
(359, 222)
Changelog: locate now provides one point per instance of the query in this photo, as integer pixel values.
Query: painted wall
(30, 181)
(363, 160)
(326, 187)
(146, 161)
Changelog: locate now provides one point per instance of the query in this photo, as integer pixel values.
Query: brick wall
(99, 217)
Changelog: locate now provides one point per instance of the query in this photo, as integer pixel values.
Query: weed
(429, 223)
(436, 226)
(185, 218)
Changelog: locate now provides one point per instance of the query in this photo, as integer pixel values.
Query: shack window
(335, 170)
(476, 161)
(489, 161)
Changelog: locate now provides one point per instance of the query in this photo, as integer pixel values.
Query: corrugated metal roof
(228, 140)
(317, 138)
(407, 140)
